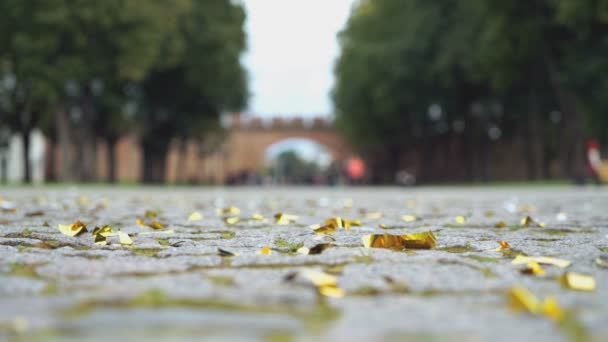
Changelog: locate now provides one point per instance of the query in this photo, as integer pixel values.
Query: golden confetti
(228, 211)
(124, 239)
(529, 222)
(533, 268)
(151, 213)
(73, 229)
(521, 299)
(551, 308)
(195, 216)
(325, 283)
(284, 219)
(338, 222)
(140, 222)
(232, 220)
(460, 219)
(225, 253)
(355, 223)
(326, 229)
(524, 260)
(156, 225)
(578, 281)
(423, 240)
(265, 250)
(317, 249)
(382, 226)
(257, 217)
(500, 224)
(104, 231)
(100, 240)
(409, 218)
(503, 245)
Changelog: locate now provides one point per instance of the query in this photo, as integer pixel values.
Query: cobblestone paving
(176, 287)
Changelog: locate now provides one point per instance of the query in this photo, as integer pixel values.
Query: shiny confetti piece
(156, 225)
(460, 219)
(500, 224)
(578, 281)
(73, 229)
(530, 222)
(232, 220)
(521, 299)
(124, 239)
(151, 214)
(284, 219)
(140, 222)
(338, 222)
(551, 308)
(257, 217)
(327, 229)
(409, 218)
(100, 240)
(317, 249)
(383, 226)
(503, 245)
(195, 216)
(423, 240)
(265, 250)
(104, 231)
(225, 253)
(228, 211)
(331, 291)
(355, 223)
(533, 268)
(524, 260)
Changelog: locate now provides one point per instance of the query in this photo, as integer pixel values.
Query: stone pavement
(174, 286)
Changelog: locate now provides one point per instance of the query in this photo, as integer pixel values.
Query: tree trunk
(155, 160)
(65, 144)
(112, 141)
(27, 171)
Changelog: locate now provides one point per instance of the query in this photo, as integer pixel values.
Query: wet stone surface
(175, 286)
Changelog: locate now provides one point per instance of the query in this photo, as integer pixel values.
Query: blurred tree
(198, 75)
(289, 168)
(28, 65)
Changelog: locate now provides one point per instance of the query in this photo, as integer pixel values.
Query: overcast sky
(292, 49)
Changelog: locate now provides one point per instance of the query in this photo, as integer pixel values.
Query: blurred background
(303, 92)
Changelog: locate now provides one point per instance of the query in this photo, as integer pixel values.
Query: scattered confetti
(228, 211)
(265, 250)
(503, 245)
(423, 240)
(104, 231)
(578, 281)
(225, 253)
(530, 222)
(325, 283)
(524, 260)
(500, 224)
(284, 219)
(73, 229)
(232, 220)
(195, 216)
(460, 219)
(124, 239)
(317, 249)
(533, 268)
(156, 225)
(326, 229)
(521, 299)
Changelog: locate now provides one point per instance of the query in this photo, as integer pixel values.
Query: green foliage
(412, 73)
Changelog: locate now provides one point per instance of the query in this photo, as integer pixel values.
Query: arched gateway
(245, 147)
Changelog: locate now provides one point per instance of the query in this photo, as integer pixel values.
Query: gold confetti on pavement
(100, 240)
(524, 260)
(326, 229)
(231, 220)
(578, 281)
(317, 249)
(325, 283)
(257, 217)
(409, 218)
(521, 299)
(500, 224)
(504, 245)
(124, 239)
(156, 225)
(73, 229)
(423, 240)
(195, 216)
(228, 211)
(530, 222)
(460, 219)
(338, 222)
(284, 219)
(104, 231)
(533, 268)
(151, 214)
(265, 250)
